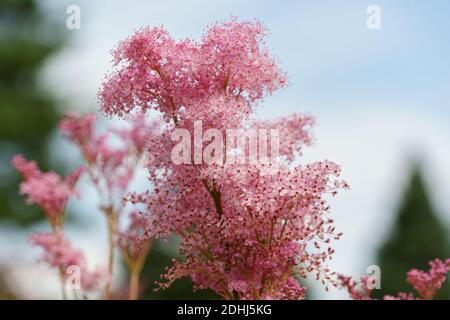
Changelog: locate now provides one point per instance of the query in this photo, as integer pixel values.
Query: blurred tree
(27, 113)
(416, 238)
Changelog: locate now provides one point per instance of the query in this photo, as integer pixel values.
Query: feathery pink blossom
(59, 253)
(294, 132)
(46, 189)
(112, 159)
(357, 290)
(132, 241)
(247, 231)
(156, 72)
(427, 284)
(111, 165)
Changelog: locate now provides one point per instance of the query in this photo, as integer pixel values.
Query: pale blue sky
(331, 57)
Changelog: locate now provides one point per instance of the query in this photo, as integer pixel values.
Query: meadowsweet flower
(111, 165)
(427, 284)
(156, 72)
(357, 290)
(248, 231)
(48, 190)
(59, 253)
(134, 244)
(294, 133)
(80, 130)
(112, 158)
(132, 241)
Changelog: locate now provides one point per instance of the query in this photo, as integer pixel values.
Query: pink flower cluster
(111, 167)
(357, 290)
(59, 253)
(46, 189)
(426, 283)
(111, 160)
(132, 241)
(51, 192)
(294, 133)
(247, 231)
(227, 70)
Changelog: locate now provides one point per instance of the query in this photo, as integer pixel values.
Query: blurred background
(381, 99)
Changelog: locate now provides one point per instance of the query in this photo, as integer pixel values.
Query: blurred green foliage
(416, 238)
(28, 114)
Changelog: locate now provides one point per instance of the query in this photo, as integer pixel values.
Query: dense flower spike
(46, 189)
(248, 230)
(156, 72)
(235, 56)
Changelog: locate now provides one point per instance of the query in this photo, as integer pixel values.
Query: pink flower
(111, 165)
(133, 241)
(156, 72)
(59, 253)
(92, 281)
(427, 284)
(48, 190)
(400, 296)
(80, 130)
(247, 231)
(294, 132)
(112, 158)
(356, 290)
